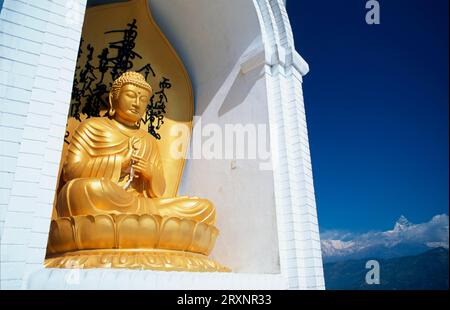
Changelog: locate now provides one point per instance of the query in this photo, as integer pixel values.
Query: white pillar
(39, 45)
(298, 229)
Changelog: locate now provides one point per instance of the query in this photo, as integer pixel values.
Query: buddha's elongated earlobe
(111, 111)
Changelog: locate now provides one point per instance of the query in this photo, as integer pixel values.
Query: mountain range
(404, 239)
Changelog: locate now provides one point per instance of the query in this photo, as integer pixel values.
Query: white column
(299, 240)
(39, 42)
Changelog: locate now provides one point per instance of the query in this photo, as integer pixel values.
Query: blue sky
(377, 109)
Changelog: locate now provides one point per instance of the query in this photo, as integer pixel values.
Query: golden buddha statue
(111, 211)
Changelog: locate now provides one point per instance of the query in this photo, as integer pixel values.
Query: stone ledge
(76, 279)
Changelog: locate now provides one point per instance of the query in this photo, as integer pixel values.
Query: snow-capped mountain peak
(402, 224)
(405, 238)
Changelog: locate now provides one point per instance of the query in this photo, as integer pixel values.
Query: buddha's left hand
(142, 166)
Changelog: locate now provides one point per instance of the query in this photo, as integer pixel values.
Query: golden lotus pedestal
(132, 241)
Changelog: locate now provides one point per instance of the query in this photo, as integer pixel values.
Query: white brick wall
(38, 47)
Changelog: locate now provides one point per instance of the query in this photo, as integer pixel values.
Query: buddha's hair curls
(129, 77)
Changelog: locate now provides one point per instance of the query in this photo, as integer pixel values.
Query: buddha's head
(129, 97)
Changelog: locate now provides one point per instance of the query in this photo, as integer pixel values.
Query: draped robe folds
(96, 170)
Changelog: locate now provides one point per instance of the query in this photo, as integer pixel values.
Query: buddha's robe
(96, 170)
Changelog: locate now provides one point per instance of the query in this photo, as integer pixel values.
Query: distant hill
(425, 271)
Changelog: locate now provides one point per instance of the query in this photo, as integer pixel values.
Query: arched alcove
(230, 105)
(214, 39)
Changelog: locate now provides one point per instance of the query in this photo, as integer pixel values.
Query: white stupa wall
(262, 73)
(255, 76)
(215, 46)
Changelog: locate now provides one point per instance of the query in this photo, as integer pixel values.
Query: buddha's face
(131, 103)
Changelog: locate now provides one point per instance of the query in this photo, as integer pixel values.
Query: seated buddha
(103, 152)
(111, 212)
